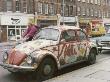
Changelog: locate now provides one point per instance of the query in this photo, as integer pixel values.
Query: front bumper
(15, 68)
(103, 48)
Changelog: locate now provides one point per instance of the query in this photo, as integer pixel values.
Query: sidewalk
(99, 72)
(4, 46)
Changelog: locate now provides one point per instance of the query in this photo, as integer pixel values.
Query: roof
(64, 27)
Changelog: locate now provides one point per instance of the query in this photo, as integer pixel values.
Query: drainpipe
(0, 34)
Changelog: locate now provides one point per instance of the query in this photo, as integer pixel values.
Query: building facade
(48, 12)
(81, 8)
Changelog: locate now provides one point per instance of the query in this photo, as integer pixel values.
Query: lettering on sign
(15, 21)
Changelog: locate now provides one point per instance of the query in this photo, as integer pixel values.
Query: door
(82, 44)
(68, 50)
(19, 31)
(18, 34)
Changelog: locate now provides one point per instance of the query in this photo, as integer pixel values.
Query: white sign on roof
(68, 19)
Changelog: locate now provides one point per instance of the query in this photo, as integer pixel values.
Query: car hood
(104, 38)
(30, 46)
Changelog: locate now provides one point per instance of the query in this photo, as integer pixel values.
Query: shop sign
(47, 17)
(84, 20)
(105, 20)
(68, 19)
(14, 20)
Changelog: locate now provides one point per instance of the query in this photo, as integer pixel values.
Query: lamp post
(63, 10)
(34, 10)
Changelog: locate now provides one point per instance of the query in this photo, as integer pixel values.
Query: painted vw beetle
(51, 49)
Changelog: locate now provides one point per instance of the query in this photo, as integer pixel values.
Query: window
(99, 13)
(82, 35)
(107, 14)
(83, 11)
(52, 1)
(24, 6)
(109, 3)
(79, 10)
(92, 12)
(92, 1)
(95, 13)
(71, 10)
(48, 34)
(46, 8)
(88, 1)
(67, 10)
(96, 1)
(68, 35)
(99, 2)
(9, 5)
(39, 7)
(83, 0)
(17, 5)
(51, 9)
(88, 11)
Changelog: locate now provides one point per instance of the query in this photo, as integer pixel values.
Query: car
(103, 42)
(53, 48)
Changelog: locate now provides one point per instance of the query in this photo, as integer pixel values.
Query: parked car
(103, 42)
(53, 48)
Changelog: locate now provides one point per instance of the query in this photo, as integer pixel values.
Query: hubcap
(47, 69)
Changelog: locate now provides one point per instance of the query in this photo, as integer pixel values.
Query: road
(6, 76)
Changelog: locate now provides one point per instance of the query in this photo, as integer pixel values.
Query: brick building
(46, 12)
(82, 8)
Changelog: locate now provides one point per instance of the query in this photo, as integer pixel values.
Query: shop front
(97, 28)
(45, 21)
(13, 26)
(71, 21)
(85, 24)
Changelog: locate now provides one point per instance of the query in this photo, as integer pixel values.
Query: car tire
(99, 50)
(46, 69)
(92, 57)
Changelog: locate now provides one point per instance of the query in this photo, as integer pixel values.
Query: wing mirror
(62, 40)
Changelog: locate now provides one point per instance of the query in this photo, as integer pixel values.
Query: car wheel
(47, 69)
(92, 57)
(99, 50)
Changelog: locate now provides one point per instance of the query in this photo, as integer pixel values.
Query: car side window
(69, 35)
(82, 35)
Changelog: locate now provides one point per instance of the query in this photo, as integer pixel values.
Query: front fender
(44, 54)
(93, 46)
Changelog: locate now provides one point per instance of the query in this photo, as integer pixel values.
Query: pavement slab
(99, 72)
(103, 75)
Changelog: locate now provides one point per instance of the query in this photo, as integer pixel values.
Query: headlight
(98, 42)
(5, 55)
(29, 60)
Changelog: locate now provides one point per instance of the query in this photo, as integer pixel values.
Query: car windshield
(108, 34)
(48, 34)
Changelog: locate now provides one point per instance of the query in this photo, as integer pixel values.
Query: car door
(82, 44)
(68, 50)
